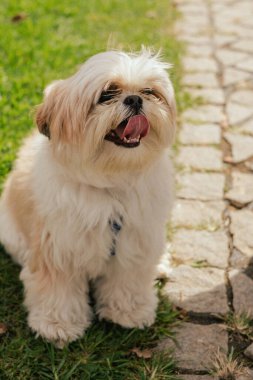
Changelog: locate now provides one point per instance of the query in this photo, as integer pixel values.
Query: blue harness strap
(115, 228)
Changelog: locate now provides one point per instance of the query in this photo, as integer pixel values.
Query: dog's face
(117, 112)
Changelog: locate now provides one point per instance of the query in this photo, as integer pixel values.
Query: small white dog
(90, 194)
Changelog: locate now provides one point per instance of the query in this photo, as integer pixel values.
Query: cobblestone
(212, 222)
(239, 260)
(249, 165)
(242, 146)
(197, 345)
(246, 65)
(249, 351)
(209, 95)
(238, 113)
(198, 215)
(244, 97)
(197, 40)
(201, 247)
(228, 57)
(200, 290)
(200, 80)
(241, 192)
(234, 76)
(201, 186)
(244, 45)
(200, 134)
(242, 285)
(222, 40)
(204, 114)
(200, 158)
(248, 375)
(199, 51)
(242, 230)
(247, 127)
(199, 65)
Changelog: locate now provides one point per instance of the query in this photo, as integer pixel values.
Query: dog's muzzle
(129, 132)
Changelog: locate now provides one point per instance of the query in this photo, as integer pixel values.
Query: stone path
(212, 221)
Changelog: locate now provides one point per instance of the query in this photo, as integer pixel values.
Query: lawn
(41, 41)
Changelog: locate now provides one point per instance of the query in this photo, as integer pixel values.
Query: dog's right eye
(105, 96)
(109, 94)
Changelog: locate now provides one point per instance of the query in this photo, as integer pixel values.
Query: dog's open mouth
(129, 132)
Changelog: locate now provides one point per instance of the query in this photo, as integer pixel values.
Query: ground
(43, 41)
(211, 233)
(212, 222)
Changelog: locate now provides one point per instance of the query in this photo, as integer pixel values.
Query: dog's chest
(97, 225)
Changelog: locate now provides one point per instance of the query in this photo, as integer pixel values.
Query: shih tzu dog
(89, 196)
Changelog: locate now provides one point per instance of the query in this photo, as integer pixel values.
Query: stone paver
(212, 221)
(229, 57)
(208, 80)
(200, 290)
(200, 134)
(233, 76)
(242, 230)
(204, 114)
(249, 165)
(221, 40)
(242, 286)
(200, 64)
(199, 51)
(241, 192)
(242, 146)
(246, 66)
(239, 260)
(198, 215)
(200, 158)
(238, 113)
(201, 186)
(197, 344)
(247, 127)
(249, 351)
(201, 246)
(209, 95)
(195, 40)
(242, 96)
(244, 45)
(248, 375)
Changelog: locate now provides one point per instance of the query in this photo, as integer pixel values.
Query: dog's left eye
(109, 94)
(151, 91)
(148, 91)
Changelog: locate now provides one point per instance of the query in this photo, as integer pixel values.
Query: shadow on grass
(104, 352)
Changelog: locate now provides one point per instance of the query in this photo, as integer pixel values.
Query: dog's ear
(42, 121)
(45, 112)
(61, 116)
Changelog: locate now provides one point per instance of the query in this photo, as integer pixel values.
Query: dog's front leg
(57, 303)
(127, 296)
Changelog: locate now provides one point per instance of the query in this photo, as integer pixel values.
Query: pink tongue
(137, 125)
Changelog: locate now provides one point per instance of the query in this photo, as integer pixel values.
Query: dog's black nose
(133, 101)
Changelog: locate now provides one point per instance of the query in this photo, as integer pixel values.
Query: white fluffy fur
(58, 200)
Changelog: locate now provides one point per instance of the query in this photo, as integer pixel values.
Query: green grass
(103, 353)
(52, 39)
(57, 36)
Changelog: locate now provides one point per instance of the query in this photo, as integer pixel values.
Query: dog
(90, 193)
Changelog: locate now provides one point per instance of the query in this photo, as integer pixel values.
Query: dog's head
(117, 112)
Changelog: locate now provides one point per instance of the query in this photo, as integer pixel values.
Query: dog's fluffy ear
(62, 114)
(44, 111)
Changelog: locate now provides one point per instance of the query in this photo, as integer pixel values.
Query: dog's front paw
(56, 331)
(138, 315)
